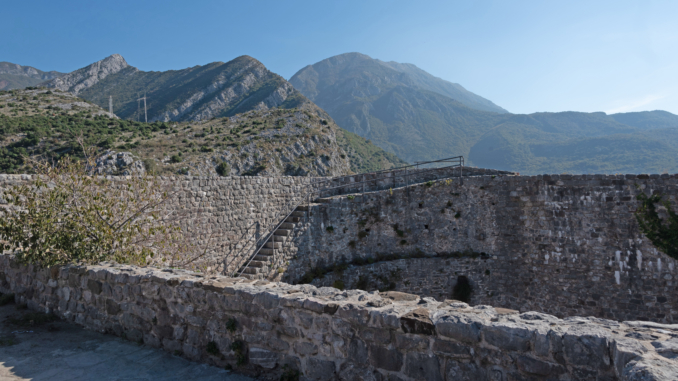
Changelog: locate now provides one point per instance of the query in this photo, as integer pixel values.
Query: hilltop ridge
(204, 92)
(14, 76)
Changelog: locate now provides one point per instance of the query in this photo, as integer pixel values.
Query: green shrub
(238, 347)
(223, 169)
(362, 283)
(662, 233)
(231, 325)
(212, 348)
(6, 299)
(330, 229)
(150, 166)
(176, 159)
(338, 284)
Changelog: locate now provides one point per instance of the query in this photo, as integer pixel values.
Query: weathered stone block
(384, 358)
(305, 348)
(418, 322)
(94, 286)
(460, 328)
(421, 366)
(263, 358)
(539, 367)
(508, 337)
(318, 369)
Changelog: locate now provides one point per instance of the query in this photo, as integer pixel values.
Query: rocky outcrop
(84, 78)
(197, 93)
(118, 163)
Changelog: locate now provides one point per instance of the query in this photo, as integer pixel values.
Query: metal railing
(457, 161)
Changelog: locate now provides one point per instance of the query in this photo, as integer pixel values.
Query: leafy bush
(79, 218)
(176, 159)
(212, 348)
(6, 299)
(338, 284)
(223, 169)
(662, 233)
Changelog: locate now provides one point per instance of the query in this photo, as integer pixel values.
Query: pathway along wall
(271, 329)
(565, 245)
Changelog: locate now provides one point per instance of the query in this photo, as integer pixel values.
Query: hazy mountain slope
(647, 120)
(13, 76)
(301, 141)
(575, 143)
(426, 81)
(198, 93)
(412, 114)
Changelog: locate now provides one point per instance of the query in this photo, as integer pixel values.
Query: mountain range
(419, 117)
(235, 115)
(197, 93)
(13, 76)
(399, 107)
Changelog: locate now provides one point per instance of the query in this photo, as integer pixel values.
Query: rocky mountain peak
(84, 78)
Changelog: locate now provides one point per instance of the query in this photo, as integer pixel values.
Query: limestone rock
(118, 163)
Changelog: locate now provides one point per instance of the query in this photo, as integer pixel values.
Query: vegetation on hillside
(193, 93)
(403, 110)
(45, 124)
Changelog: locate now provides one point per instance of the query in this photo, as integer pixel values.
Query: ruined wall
(269, 329)
(226, 214)
(565, 245)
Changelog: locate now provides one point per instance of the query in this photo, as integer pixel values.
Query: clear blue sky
(525, 56)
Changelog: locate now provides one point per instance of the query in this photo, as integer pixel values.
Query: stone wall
(565, 245)
(226, 214)
(270, 329)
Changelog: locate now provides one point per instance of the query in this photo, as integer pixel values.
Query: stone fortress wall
(272, 329)
(566, 245)
(226, 214)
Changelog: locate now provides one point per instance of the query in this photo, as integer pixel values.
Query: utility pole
(110, 104)
(145, 114)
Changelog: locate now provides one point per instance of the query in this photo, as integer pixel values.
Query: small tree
(223, 169)
(663, 233)
(67, 216)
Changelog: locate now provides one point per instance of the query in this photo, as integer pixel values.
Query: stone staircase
(262, 263)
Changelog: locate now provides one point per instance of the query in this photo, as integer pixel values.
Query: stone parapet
(268, 328)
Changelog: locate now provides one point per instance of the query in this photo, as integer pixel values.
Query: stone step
(266, 251)
(299, 214)
(260, 264)
(272, 245)
(301, 208)
(252, 276)
(287, 225)
(263, 257)
(293, 219)
(250, 270)
(283, 232)
(277, 238)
